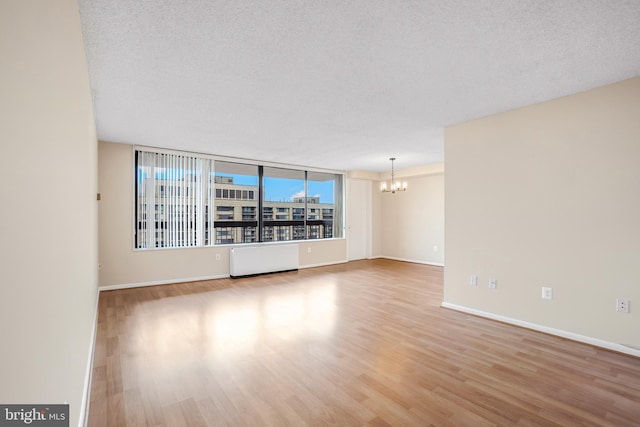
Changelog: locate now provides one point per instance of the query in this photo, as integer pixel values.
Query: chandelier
(394, 186)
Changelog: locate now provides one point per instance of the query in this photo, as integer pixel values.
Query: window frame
(210, 232)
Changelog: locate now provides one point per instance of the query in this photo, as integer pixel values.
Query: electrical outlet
(547, 293)
(435, 248)
(217, 257)
(473, 281)
(309, 249)
(622, 305)
(493, 283)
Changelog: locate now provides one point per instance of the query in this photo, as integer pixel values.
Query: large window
(237, 190)
(324, 205)
(183, 200)
(173, 200)
(295, 204)
(283, 191)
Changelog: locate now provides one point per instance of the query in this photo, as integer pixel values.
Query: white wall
(48, 220)
(549, 195)
(121, 265)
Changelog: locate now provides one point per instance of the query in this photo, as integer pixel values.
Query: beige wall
(376, 220)
(412, 222)
(407, 225)
(549, 195)
(49, 216)
(121, 265)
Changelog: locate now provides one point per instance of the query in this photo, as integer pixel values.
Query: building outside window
(267, 234)
(248, 213)
(267, 212)
(240, 183)
(298, 213)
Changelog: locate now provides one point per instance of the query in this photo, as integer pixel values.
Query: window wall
(185, 200)
(294, 204)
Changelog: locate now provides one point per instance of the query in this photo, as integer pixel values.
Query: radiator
(252, 260)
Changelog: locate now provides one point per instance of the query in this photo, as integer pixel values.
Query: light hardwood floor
(363, 343)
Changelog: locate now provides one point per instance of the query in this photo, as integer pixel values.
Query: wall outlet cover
(622, 305)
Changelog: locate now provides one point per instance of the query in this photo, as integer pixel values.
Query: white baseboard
(322, 264)
(547, 330)
(86, 395)
(161, 282)
(415, 261)
(194, 279)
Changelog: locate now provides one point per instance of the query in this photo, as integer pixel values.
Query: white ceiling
(340, 84)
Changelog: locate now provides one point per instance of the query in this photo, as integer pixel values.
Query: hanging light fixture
(395, 186)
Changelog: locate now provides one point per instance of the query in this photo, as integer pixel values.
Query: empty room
(416, 213)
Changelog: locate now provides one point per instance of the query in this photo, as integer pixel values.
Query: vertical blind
(174, 195)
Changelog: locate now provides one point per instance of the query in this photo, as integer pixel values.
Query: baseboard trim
(415, 261)
(194, 279)
(621, 348)
(88, 376)
(322, 264)
(161, 282)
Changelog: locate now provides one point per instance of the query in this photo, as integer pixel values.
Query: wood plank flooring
(358, 344)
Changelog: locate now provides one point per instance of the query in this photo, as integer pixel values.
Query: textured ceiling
(340, 84)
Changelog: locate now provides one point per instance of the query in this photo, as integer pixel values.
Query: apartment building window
(298, 214)
(280, 189)
(238, 183)
(224, 235)
(314, 232)
(248, 213)
(267, 213)
(172, 194)
(324, 195)
(267, 234)
(249, 234)
(294, 204)
(299, 232)
(224, 213)
(282, 233)
(186, 200)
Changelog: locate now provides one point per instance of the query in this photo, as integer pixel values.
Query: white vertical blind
(173, 192)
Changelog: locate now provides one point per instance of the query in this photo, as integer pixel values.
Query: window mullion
(260, 202)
